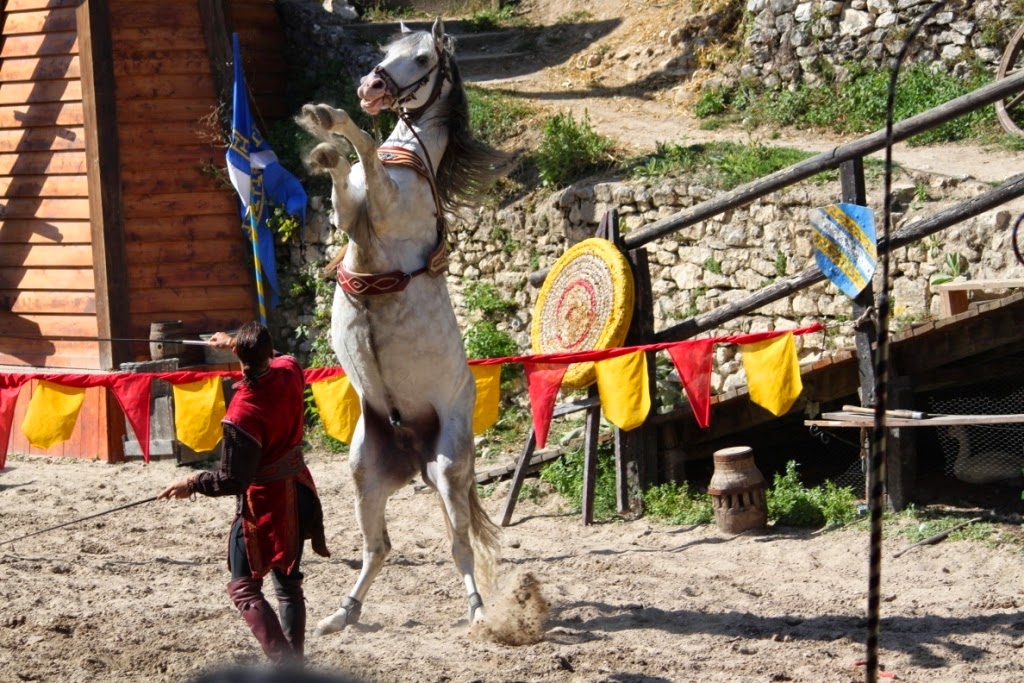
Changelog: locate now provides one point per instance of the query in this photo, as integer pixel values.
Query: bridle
(401, 94)
(361, 284)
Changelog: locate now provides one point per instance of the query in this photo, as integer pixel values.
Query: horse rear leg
(371, 500)
(474, 535)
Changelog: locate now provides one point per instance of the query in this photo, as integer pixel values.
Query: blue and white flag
(845, 246)
(258, 177)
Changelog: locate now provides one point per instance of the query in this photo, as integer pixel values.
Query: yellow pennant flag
(198, 410)
(625, 394)
(488, 396)
(338, 404)
(52, 414)
(773, 373)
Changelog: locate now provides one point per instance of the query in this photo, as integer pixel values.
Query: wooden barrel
(737, 491)
(166, 329)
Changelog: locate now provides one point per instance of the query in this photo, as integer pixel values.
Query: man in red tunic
(261, 463)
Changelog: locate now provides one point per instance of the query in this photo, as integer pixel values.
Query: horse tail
(484, 537)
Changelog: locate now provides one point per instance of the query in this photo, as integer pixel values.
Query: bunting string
(769, 359)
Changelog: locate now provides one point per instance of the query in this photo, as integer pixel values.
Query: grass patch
(495, 116)
(490, 19)
(721, 165)
(857, 104)
(915, 533)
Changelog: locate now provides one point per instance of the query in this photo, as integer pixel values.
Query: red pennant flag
(132, 393)
(543, 380)
(10, 387)
(693, 362)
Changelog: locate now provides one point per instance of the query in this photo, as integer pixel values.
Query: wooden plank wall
(47, 284)
(186, 255)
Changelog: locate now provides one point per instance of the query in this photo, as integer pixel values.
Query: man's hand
(179, 489)
(222, 340)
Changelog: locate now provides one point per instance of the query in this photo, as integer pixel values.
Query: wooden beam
(103, 169)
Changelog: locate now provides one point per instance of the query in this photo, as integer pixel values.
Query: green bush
(570, 149)
(710, 103)
(566, 476)
(485, 340)
(677, 504)
(791, 503)
(494, 116)
(484, 297)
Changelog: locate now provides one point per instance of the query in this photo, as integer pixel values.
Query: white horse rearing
(393, 326)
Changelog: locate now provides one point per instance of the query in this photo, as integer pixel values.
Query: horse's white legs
(327, 157)
(374, 487)
(452, 475)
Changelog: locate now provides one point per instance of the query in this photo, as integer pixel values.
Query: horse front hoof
(476, 609)
(324, 157)
(348, 614)
(332, 624)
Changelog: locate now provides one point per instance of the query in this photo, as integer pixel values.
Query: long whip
(876, 472)
(81, 519)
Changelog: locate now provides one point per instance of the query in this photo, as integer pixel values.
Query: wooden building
(112, 215)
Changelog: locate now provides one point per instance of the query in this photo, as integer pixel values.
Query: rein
(367, 284)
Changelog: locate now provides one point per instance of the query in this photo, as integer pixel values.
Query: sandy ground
(140, 595)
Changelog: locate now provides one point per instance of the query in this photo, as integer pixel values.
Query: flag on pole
(259, 179)
(844, 245)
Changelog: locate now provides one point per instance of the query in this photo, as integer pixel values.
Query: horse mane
(469, 166)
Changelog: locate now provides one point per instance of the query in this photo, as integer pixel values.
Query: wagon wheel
(1011, 110)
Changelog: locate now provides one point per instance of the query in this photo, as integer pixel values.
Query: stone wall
(717, 261)
(792, 42)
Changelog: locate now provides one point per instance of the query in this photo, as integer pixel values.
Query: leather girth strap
(395, 281)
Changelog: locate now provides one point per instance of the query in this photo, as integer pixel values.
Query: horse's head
(411, 75)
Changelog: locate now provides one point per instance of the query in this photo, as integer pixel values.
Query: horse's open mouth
(375, 106)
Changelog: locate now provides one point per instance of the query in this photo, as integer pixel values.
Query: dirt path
(628, 100)
(139, 596)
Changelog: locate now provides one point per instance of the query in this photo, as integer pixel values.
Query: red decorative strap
(369, 285)
(400, 156)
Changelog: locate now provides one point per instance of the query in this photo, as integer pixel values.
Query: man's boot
(291, 602)
(247, 594)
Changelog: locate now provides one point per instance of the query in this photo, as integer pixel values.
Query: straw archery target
(586, 303)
